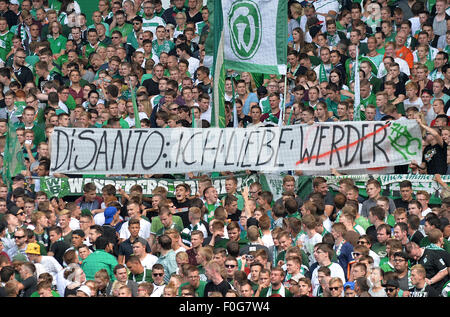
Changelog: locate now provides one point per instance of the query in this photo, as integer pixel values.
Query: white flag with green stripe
(255, 35)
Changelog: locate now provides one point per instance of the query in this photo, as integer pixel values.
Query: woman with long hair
(298, 39)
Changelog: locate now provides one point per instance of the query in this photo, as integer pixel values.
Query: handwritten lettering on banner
(318, 147)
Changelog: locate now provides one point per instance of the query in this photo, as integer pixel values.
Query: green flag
(137, 121)
(13, 159)
(214, 50)
(255, 36)
(357, 103)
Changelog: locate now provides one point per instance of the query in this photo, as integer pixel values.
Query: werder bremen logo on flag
(244, 22)
(254, 35)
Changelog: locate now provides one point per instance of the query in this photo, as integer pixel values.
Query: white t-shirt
(194, 63)
(149, 261)
(74, 224)
(408, 104)
(336, 271)
(131, 122)
(267, 240)
(309, 243)
(144, 232)
(152, 24)
(51, 266)
(206, 115)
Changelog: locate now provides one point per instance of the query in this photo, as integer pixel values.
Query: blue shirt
(252, 97)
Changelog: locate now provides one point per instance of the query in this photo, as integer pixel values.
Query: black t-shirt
(126, 247)
(30, 286)
(207, 89)
(245, 120)
(24, 75)
(435, 157)
(183, 210)
(59, 248)
(416, 237)
(223, 288)
(196, 18)
(427, 291)
(236, 216)
(372, 232)
(435, 261)
(151, 86)
(400, 203)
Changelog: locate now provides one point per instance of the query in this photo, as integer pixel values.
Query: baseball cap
(33, 248)
(86, 212)
(296, 277)
(85, 289)
(350, 284)
(252, 222)
(19, 257)
(109, 213)
(13, 210)
(392, 283)
(18, 177)
(261, 90)
(14, 2)
(314, 30)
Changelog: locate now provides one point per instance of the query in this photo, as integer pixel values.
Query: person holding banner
(328, 104)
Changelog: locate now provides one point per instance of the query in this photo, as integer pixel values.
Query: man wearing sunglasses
(158, 280)
(392, 288)
(336, 287)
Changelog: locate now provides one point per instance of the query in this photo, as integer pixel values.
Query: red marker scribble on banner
(344, 146)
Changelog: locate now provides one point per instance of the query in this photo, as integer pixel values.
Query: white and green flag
(255, 35)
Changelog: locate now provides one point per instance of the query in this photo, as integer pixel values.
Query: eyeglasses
(157, 274)
(363, 242)
(399, 260)
(136, 23)
(230, 266)
(335, 288)
(20, 213)
(389, 289)
(18, 237)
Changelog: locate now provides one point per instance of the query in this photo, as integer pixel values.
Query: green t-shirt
(363, 222)
(199, 291)
(54, 294)
(90, 49)
(265, 292)
(5, 44)
(157, 228)
(125, 29)
(371, 100)
(58, 44)
(166, 46)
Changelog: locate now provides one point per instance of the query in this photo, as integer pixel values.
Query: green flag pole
(137, 122)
